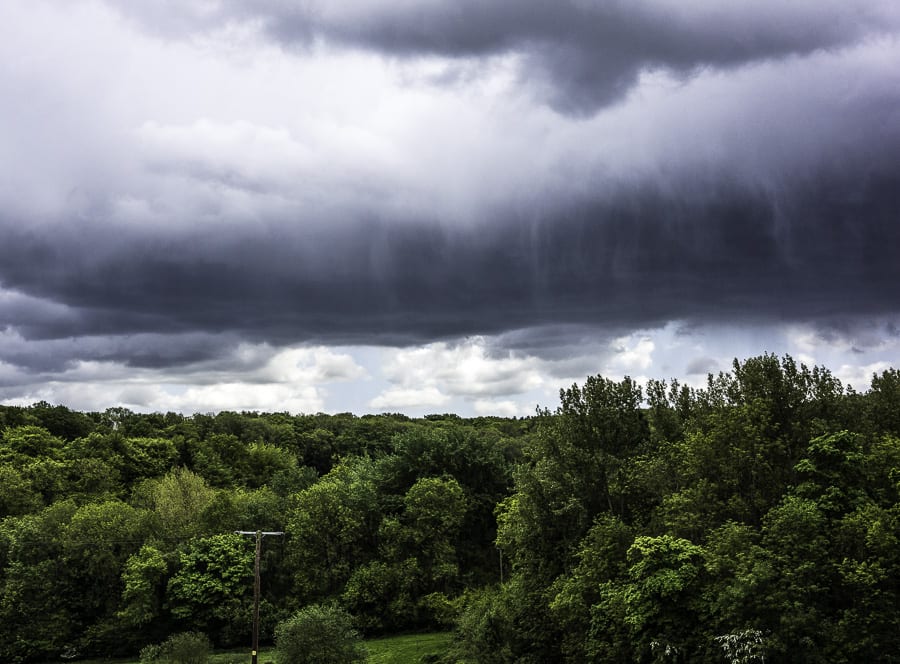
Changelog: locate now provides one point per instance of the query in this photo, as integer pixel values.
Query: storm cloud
(183, 180)
(584, 54)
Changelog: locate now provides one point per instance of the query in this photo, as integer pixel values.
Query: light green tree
(318, 633)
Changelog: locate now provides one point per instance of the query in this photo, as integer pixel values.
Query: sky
(440, 205)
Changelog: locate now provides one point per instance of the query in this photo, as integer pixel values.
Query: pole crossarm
(259, 534)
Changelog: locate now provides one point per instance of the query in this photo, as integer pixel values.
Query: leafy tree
(658, 600)
(331, 530)
(418, 560)
(97, 541)
(881, 402)
(481, 462)
(434, 512)
(17, 495)
(831, 472)
(147, 457)
(212, 589)
(222, 459)
(602, 559)
(318, 633)
(796, 534)
(29, 441)
(144, 577)
(178, 501)
(62, 422)
(240, 509)
(741, 577)
(61, 583)
(35, 606)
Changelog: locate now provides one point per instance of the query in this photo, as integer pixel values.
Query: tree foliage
(757, 517)
(318, 633)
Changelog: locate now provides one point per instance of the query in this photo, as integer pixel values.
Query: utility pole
(259, 535)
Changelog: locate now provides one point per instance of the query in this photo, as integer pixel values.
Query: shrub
(151, 654)
(183, 648)
(320, 634)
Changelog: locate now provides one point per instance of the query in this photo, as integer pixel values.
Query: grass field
(407, 649)
(404, 649)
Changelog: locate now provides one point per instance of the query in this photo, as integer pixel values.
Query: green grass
(404, 649)
(407, 649)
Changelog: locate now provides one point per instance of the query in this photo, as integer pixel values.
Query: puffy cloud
(860, 376)
(633, 353)
(432, 374)
(247, 378)
(502, 408)
(401, 398)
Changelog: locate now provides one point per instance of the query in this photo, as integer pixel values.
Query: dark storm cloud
(160, 233)
(861, 335)
(722, 252)
(580, 54)
(146, 351)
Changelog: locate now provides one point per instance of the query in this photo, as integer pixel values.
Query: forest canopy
(757, 516)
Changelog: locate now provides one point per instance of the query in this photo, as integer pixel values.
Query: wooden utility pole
(259, 535)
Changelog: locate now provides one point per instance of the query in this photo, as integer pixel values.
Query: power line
(256, 584)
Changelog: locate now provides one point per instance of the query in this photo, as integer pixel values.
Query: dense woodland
(756, 517)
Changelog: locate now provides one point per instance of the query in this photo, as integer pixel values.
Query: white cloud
(860, 376)
(242, 396)
(504, 408)
(632, 354)
(402, 398)
(256, 377)
(148, 397)
(466, 369)
(469, 377)
(478, 375)
(311, 366)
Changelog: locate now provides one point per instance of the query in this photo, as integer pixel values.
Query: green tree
(29, 441)
(658, 600)
(147, 457)
(17, 495)
(61, 584)
(796, 534)
(35, 606)
(742, 578)
(212, 589)
(881, 402)
(418, 565)
(144, 577)
(602, 559)
(480, 460)
(318, 633)
(96, 542)
(178, 501)
(331, 529)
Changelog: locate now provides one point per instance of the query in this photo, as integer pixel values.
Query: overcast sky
(439, 205)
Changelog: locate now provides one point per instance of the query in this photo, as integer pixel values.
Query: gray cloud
(701, 366)
(582, 55)
(724, 252)
(755, 181)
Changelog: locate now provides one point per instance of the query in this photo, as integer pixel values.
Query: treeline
(756, 517)
(118, 527)
(754, 520)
